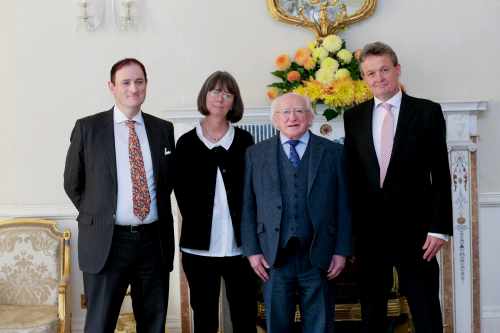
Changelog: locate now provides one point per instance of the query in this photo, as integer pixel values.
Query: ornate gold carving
(324, 17)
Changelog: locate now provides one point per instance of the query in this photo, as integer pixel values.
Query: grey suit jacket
(327, 201)
(91, 184)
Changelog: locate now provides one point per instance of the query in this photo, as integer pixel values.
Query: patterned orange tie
(140, 191)
(386, 140)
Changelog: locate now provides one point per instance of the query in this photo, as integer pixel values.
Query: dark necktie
(140, 191)
(294, 157)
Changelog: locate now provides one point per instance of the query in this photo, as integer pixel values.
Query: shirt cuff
(440, 236)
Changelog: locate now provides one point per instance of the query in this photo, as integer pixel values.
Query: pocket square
(167, 152)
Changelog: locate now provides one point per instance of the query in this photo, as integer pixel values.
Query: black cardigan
(194, 185)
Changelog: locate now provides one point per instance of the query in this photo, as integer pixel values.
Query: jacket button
(279, 207)
(276, 229)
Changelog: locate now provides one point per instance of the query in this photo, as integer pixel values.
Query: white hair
(276, 103)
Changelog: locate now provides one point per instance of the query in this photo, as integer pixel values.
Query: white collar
(394, 101)
(303, 139)
(225, 142)
(119, 117)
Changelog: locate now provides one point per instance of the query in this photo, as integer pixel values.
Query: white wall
(51, 75)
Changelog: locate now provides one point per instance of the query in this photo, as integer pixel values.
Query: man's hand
(432, 246)
(336, 266)
(259, 266)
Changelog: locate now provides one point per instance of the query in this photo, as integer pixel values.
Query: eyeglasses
(218, 92)
(286, 113)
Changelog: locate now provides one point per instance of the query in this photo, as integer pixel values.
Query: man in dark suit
(119, 176)
(296, 228)
(397, 162)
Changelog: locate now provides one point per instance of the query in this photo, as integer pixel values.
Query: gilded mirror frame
(324, 25)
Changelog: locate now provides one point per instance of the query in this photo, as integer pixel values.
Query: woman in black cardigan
(208, 188)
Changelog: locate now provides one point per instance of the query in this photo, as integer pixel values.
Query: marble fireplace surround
(460, 258)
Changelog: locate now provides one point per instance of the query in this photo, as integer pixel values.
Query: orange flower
(310, 63)
(283, 62)
(357, 54)
(302, 55)
(293, 76)
(272, 93)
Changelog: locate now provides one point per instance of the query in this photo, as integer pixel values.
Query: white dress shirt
(300, 147)
(222, 241)
(378, 118)
(125, 206)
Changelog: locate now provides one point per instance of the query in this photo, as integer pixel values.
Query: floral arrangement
(326, 72)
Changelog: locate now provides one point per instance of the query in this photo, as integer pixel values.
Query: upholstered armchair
(34, 277)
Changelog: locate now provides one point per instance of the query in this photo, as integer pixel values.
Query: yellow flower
(293, 76)
(332, 43)
(312, 89)
(324, 75)
(312, 45)
(357, 54)
(320, 53)
(330, 64)
(283, 62)
(342, 74)
(361, 92)
(302, 55)
(310, 63)
(272, 93)
(344, 56)
(341, 93)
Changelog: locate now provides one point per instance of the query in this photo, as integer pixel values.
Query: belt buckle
(134, 228)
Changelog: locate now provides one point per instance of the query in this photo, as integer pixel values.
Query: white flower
(320, 53)
(344, 56)
(324, 75)
(330, 64)
(342, 73)
(332, 43)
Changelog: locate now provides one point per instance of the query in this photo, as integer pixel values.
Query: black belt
(137, 228)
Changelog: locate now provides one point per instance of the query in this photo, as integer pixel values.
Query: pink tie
(140, 192)
(386, 140)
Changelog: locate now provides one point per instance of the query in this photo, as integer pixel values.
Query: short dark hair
(125, 62)
(227, 81)
(378, 49)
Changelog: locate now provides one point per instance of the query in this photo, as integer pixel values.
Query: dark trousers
(134, 259)
(204, 278)
(418, 281)
(292, 279)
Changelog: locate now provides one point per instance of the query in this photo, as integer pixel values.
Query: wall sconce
(90, 13)
(126, 13)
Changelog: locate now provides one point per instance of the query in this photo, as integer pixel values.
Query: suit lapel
(270, 165)
(406, 115)
(108, 143)
(366, 133)
(154, 143)
(315, 156)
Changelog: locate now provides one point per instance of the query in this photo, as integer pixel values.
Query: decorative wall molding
(67, 212)
(489, 199)
(45, 211)
(490, 312)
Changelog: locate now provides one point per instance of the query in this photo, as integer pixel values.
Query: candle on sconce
(84, 4)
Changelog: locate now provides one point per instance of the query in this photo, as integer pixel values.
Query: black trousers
(204, 278)
(134, 259)
(418, 281)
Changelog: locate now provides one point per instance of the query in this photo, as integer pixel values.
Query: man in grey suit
(296, 228)
(119, 176)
